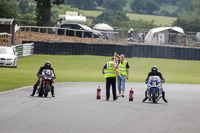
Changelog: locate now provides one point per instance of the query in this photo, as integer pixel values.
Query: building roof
(159, 29)
(5, 21)
(103, 26)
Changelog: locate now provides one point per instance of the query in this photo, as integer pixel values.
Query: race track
(75, 109)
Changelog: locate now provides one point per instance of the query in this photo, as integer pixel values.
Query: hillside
(159, 20)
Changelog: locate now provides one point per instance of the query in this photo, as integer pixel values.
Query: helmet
(154, 69)
(47, 64)
(131, 29)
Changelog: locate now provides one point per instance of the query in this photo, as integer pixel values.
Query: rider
(47, 65)
(154, 72)
(131, 35)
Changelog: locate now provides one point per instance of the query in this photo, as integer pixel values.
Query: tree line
(113, 11)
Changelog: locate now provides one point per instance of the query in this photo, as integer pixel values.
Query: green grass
(159, 20)
(79, 68)
(91, 13)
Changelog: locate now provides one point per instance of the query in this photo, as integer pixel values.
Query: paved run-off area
(75, 109)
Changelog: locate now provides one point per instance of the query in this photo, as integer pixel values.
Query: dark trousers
(110, 81)
(35, 87)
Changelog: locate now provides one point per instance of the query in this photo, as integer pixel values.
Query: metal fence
(121, 36)
(36, 33)
(24, 49)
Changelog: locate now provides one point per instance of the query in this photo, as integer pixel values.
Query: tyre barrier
(130, 50)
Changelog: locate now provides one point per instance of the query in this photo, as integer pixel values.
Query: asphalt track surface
(75, 109)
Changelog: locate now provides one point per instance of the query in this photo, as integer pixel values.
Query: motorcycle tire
(46, 90)
(154, 96)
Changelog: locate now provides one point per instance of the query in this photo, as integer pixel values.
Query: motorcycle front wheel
(46, 90)
(40, 93)
(154, 96)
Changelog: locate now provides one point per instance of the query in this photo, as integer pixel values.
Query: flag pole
(116, 64)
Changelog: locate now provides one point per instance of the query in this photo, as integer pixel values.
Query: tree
(24, 7)
(189, 20)
(144, 6)
(61, 9)
(83, 4)
(114, 4)
(111, 17)
(43, 11)
(138, 24)
(99, 2)
(184, 5)
(8, 9)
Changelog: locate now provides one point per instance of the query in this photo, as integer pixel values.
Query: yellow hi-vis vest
(110, 70)
(122, 68)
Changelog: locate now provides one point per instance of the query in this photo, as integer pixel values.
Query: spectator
(140, 37)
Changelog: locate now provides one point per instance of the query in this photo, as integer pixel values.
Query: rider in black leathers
(155, 72)
(47, 65)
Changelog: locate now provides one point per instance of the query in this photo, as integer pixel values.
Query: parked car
(8, 57)
(79, 30)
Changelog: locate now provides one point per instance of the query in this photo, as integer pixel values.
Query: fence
(5, 39)
(24, 49)
(36, 33)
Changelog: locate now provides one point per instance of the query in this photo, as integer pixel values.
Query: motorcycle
(154, 88)
(131, 37)
(46, 81)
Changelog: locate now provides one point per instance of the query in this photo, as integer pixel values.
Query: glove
(163, 81)
(115, 65)
(38, 75)
(146, 81)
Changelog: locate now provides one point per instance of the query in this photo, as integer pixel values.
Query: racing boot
(145, 97)
(115, 98)
(163, 96)
(52, 91)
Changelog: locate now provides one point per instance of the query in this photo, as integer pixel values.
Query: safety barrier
(24, 49)
(131, 50)
(5, 39)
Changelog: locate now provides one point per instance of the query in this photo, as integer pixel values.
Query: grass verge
(83, 68)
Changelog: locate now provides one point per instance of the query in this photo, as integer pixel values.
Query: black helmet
(154, 69)
(47, 64)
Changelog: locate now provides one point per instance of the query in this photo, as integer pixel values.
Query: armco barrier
(24, 49)
(131, 50)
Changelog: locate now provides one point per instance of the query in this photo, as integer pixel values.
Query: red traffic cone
(131, 92)
(98, 93)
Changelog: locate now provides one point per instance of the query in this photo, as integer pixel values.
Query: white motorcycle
(154, 89)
